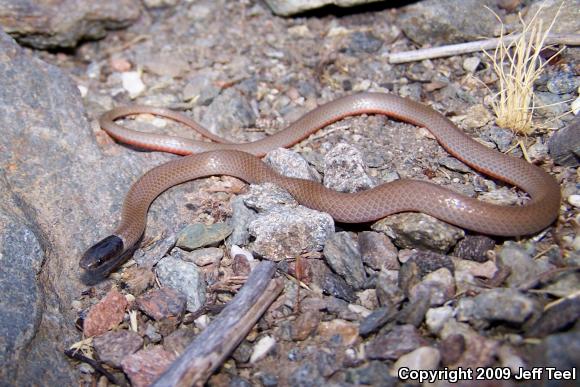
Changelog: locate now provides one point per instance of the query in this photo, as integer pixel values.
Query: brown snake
(240, 160)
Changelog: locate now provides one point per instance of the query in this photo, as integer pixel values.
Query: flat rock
(164, 303)
(289, 163)
(415, 230)
(200, 235)
(498, 305)
(63, 23)
(113, 347)
(391, 345)
(106, 314)
(448, 20)
(145, 366)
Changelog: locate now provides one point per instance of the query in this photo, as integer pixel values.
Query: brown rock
(347, 331)
(451, 349)
(138, 279)
(145, 366)
(377, 251)
(113, 347)
(106, 314)
(474, 248)
(164, 303)
(400, 340)
(304, 325)
(177, 341)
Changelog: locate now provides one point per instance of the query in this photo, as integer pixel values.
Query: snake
(203, 159)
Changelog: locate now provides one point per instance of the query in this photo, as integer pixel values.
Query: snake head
(103, 254)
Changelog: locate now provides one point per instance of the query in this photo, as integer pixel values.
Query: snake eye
(104, 251)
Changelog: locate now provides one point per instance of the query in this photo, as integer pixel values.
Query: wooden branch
(464, 48)
(210, 349)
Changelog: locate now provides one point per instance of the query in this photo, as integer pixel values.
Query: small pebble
(423, 358)
(262, 348)
(132, 83)
(574, 200)
(471, 64)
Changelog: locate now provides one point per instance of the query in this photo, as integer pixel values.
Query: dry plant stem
(210, 349)
(465, 48)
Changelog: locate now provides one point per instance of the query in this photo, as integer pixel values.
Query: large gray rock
(58, 196)
(451, 21)
(63, 23)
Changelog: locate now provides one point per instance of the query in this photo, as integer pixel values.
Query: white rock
(574, 200)
(132, 83)
(576, 106)
(262, 348)
(470, 64)
(437, 317)
(423, 358)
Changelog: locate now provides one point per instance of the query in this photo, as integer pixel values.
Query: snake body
(240, 160)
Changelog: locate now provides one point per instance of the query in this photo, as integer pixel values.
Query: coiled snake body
(240, 160)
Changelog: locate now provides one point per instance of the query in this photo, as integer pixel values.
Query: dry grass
(518, 65)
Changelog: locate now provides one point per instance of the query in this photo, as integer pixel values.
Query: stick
(210, 349)
(464, 48)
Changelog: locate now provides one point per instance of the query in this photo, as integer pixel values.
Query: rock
(436, 318)
(477, 116)
(448, 21)
(228, 110)
(304, 325)
(468, 274)
(413, 313)
(267, 197)
(377, 251)
(138, 279)
(289, 163)
(521, 262)
(106, 314)
(509, 5)
(451, 349)
(376, 320)
(151, 254)
(63, 23)
(287, 232)
(415, 230)
(375, 373)
(204, 257)
(560, 316)
(201, 89)
(574, 200)
(471, 64)
(501, 137)
(241, 218)
(562, 83)
(160, 3)
(152, 333)
(342, 255)
(113, 347)
(262, 348)
(469, 350)
(200, 235)
(344, 170)
(241, 265)
(392, 345)
(330, 283)
(293, 7)
(165, 64)
(184, 277)
(498, 305)
(419, 265)
(549, 105)
(388, 291)
(564, 145)
(243, 353)
(339, 331)
(474, 248)
(437, 286)
(178, 340)
(163, 304)
(132, 83)
(423, 358)
(363, 42)
(145, 366)
(567, 22)
(561, 351)
(307, 374)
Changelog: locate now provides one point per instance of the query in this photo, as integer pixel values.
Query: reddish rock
(394, 344)
(113, 347)
(304, 325)
(106, 314)
(164, 303)
(145, 366)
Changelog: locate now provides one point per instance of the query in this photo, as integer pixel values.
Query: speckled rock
(474, 248)
(344, 170)
(241, 218)
(184, 277)
(377, 251)
(416, 230)
(448, 20)
(204, 257)
(201, 235)
(438, 286)
(388, 291)
(289, 163)
(419, 265)
(228, 110)
(521, 262)
(342, 255)
(331, 283)
(106, 314)
(145, 366)
(498, 305)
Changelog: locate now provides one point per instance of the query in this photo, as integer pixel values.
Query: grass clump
(518, 64)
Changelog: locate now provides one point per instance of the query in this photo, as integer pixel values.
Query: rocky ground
(359, 302)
